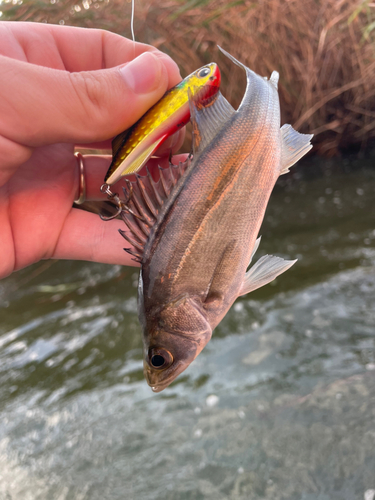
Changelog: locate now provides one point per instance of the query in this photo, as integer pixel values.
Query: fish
(132, 148)
(196, 228)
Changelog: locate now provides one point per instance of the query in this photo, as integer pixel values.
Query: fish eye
(204, 72)
(160, 358)
(157, 361)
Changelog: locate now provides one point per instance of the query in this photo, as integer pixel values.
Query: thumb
(45, 106)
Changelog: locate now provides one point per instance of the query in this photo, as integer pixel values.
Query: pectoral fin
(293, 146)
(265, 270)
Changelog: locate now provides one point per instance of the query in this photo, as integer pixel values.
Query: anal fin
(256, 246)
(265, 270)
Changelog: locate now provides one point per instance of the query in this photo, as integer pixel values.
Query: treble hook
(121, 206)
(105, 188)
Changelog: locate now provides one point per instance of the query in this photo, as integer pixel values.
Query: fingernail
(143, 74)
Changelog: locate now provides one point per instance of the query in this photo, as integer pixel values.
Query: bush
(323, 49)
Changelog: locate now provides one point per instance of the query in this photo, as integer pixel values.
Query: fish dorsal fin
(250, 75)
(247, 71)
(293, 146)
(265, 270)
(118, 141)
(144, 199)
(233, 59)
(207, 118)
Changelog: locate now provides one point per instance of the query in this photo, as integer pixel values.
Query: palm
(41, 196)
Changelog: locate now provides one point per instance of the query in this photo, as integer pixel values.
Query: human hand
(59, 87)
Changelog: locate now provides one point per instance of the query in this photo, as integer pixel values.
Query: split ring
(82, 180)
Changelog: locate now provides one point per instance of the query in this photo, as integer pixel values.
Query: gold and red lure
(131, 149)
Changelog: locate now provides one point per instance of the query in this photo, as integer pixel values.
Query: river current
(279, 406)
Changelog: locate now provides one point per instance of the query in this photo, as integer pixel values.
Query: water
(280, 405)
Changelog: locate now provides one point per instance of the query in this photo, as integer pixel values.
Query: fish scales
(223, 187)
(195, 258)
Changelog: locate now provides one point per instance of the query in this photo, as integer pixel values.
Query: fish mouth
(157, 381)
(159, 388)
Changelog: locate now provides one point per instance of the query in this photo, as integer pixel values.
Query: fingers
(11, 156)
(73, 49)
(58, 106)
(85, 236)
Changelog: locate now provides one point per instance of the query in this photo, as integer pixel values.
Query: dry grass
(323, 49)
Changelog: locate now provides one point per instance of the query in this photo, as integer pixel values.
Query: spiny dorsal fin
(293, 146)
(207, 118)
(233, 59)
(137, 256)
(145, 199)
(132, 240)
(251, 78)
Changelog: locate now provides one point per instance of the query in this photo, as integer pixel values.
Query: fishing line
(105, 188)
(132, 22)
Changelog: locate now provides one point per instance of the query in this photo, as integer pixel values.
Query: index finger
(67, 47)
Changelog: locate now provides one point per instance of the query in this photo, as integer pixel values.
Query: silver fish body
(195, 258)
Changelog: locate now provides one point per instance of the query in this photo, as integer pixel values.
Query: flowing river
(279, 406)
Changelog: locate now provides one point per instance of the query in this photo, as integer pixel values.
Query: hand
(59, 87)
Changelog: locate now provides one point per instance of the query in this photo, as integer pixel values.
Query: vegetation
(323, 49)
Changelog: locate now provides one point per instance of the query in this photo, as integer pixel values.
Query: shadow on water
(280, 405)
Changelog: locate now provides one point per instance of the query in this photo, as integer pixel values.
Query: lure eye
(204, 72)
(160, 358)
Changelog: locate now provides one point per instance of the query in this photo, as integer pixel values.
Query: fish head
(204, 82)
(173, 336)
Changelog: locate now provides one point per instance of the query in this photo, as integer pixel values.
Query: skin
(54, 99)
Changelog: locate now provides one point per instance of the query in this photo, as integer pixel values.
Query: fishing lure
(131, 149)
